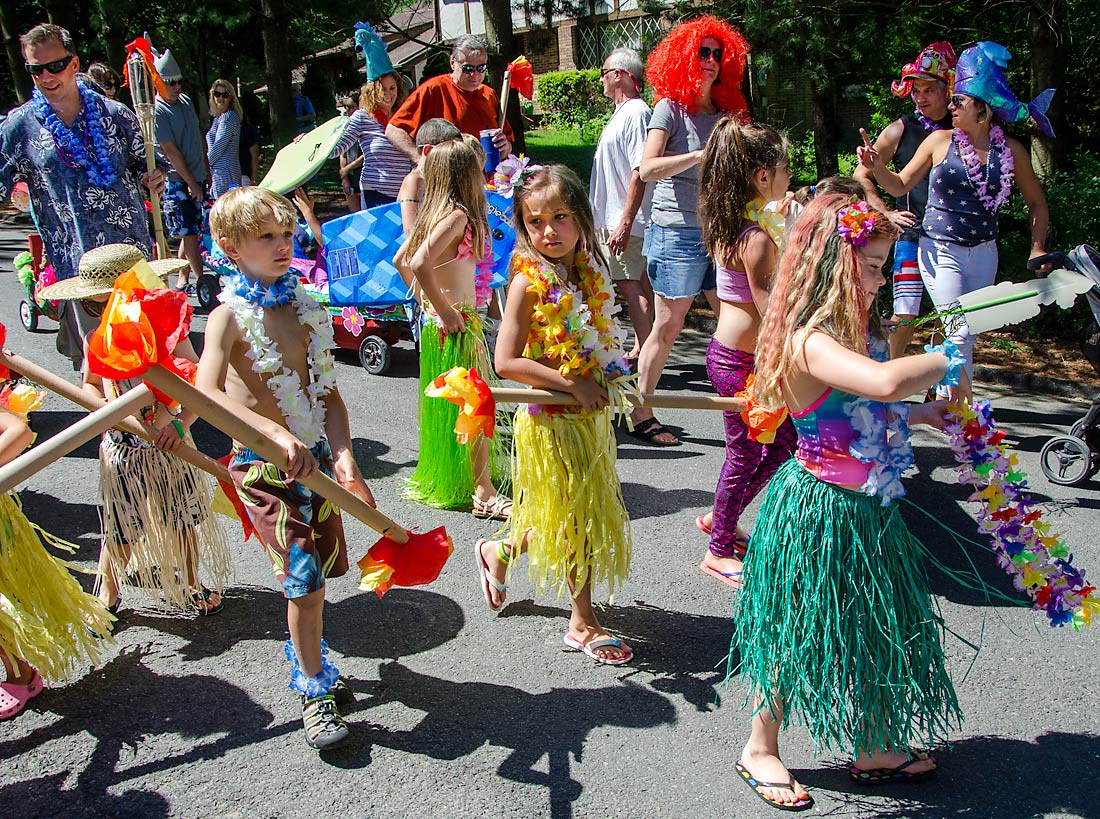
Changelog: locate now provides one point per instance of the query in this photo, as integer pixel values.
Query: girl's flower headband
(513, 173)
(855, 223)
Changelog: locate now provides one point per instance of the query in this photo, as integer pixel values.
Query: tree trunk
(277, 68)
(499, 35)
(1048, 70)
(825, 129)
(20, 78)
(62, 13)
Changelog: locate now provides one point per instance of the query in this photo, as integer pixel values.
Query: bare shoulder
(221, 325)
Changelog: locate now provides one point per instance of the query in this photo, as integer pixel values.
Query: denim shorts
(678, 264)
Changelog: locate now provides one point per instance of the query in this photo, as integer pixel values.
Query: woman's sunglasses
(707, 51)
(222, 95)
(52, 67)
(110, 85)
(958, 100)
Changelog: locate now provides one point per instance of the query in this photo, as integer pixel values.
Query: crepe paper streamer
(523, 76)
(1038, 559)
(142, 47)
(228, 490)
(5, 373)
(416, 563)
(476, 408)
(762, 423)
(1000, 305)
(21, 399)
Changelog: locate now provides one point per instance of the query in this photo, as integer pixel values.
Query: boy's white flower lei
(303, 409)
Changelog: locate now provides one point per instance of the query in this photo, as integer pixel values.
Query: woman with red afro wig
(696, 72)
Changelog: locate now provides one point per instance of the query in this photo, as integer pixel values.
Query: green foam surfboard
(299, 161)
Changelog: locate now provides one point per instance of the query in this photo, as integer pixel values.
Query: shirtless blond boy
(268, 356)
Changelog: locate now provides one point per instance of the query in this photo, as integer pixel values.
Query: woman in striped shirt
(224, 138)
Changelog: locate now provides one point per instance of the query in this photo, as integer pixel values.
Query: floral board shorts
(182, 214)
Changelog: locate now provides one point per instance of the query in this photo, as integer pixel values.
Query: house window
(595, 42)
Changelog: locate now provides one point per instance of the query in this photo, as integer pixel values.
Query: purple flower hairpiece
(855, 223)
(512, 173)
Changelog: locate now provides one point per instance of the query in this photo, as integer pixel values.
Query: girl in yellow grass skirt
(48, 624)
(559, 333)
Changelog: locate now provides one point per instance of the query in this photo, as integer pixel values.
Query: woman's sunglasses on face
(958, 100)
(222, 95)
(706, 51)
(52, 67)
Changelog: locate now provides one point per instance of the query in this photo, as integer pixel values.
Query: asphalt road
(463, 714)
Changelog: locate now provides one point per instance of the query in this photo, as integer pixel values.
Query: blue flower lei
(281, 291)
(955, 362)
(316, 685)
(98, 167)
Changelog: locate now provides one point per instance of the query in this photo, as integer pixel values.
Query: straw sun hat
(99, 268)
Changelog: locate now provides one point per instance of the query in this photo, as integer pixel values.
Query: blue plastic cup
(492, 152)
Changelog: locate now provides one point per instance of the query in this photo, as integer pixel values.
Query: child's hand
(303, 200)
(932, 414)
(591, 395)
(452, 319)
(169, 438)
(300, 461)
(346, 473)
(964, 391)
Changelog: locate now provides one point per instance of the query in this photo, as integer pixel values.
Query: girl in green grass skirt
(836, 626)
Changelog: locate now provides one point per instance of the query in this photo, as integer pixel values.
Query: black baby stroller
(1072, 459)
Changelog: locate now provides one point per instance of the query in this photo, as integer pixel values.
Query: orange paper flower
(388, 563)
(477, 410)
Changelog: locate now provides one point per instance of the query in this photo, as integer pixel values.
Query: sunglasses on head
(52, 67)
(707, 51)
(474, 69)
(222, 95)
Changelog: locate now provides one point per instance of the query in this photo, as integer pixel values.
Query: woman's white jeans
(950, 270)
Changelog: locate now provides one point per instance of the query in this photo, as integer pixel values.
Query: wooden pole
(509, 395)
(505, 90)
(223, 418)
(90, 426)
(144, 99)
(57, 384)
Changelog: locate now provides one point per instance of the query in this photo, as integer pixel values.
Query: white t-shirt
(618, 153)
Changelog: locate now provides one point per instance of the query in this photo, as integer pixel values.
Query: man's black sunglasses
(53, 67)
(474, 69)
(706, 51)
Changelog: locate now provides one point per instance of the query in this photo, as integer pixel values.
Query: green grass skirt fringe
(835, 617)
(444, 475)
(567, 493)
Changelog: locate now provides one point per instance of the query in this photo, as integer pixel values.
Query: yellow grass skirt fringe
(43, 610)
(567, 494)
(158, 524)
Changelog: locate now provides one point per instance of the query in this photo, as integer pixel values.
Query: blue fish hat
(370, 43)
(981, 74)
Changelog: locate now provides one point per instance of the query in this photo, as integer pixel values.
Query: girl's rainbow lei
(1038, 560)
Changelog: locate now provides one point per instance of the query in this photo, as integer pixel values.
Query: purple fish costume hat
(981, 74)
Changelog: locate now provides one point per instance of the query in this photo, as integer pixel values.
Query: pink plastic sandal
(13, 697)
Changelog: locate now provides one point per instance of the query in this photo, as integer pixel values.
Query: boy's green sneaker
(325, 728)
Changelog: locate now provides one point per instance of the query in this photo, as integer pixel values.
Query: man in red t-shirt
(459, 97)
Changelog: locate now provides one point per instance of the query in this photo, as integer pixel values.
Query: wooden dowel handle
(57, 384)
(221, 417)
(90, 426)
(511, 395)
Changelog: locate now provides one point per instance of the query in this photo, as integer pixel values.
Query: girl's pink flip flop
(13, 698)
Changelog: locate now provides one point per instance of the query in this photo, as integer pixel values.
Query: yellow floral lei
(773, 223)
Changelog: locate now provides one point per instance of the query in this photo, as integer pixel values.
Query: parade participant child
(835, 622)
(48, 624)
(442, 253)
(559, 333)
(268, 355)
(158, 530)
(432, 133)
(743, 169)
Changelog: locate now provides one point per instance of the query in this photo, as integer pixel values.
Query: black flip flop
(649, 429)
(756, 784)
(886, 776)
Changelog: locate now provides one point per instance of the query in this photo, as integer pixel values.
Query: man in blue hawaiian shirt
(81, 156)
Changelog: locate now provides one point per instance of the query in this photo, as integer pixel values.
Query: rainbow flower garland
(1039, 561)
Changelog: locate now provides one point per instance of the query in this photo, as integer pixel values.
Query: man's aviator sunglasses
(52, 67)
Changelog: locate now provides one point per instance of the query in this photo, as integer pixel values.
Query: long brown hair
(817, 287)
(564, 183)
(453, 180)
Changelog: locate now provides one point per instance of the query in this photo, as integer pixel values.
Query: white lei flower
(303, 409)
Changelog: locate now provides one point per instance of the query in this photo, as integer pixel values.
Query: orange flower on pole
(416, 563)
(477, 409)
(523, 77)
(762, 423)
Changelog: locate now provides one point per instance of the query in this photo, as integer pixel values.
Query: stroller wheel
(28, 316)
(1078, 429)
(207, 291)
(374, 355)
(1066, 460)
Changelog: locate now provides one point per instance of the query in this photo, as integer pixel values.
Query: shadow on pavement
(461, 717)
(986, 776)
(29, 798)
(649, 502)
(121, 705)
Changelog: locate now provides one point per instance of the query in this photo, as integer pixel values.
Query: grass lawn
(550, 145)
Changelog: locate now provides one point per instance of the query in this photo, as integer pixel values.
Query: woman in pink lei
(972, 168)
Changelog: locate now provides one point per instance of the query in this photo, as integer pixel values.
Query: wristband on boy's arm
(955, 362)
(178, 426)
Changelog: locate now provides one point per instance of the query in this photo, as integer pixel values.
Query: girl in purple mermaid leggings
(744, 167)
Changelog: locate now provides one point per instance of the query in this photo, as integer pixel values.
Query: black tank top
(912, 135)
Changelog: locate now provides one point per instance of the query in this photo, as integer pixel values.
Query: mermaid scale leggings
(749, 465)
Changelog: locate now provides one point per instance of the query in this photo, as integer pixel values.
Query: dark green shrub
(572, 98)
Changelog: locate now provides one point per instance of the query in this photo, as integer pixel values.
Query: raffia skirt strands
(835, 617)
(567, 494)
(44, 613)
(160, 508)
(444, 475)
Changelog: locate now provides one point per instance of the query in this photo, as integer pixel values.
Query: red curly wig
(673, 66)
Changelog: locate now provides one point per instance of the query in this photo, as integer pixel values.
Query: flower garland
(882, 437)
(98, 166)
(855, 223)
(773, 222)
(1039, 560)
(998, 148)
(303, 409)
(279, 292)
(927, 123)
